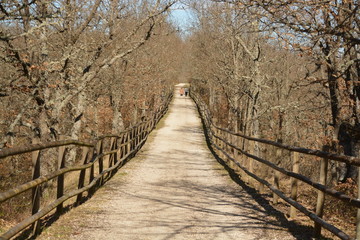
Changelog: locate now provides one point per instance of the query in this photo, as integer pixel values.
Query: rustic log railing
(122, 147)
(229, 145)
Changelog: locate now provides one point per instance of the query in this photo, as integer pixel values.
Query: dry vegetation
(276, 69)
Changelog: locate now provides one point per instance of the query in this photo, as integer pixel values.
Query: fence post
(60, 179)
(121, 147)
(139, 134)
(128, 141)
(99, 150)
(136, 136)
(133, 138)
(218, 133)
(245, 161)
(229, 149)
(222, 146)
(145, 129)
(251, 161)
(276, 176)
(211, 131)
(232, 150)
(262, 168)
(321, 196)
(92, 171)
(294, 182)
(116, 155)
(238, 157)
(36, 191)
(148, 129)
(113, 155)
(84, 160)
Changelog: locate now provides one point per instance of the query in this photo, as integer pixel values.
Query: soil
(175, 189)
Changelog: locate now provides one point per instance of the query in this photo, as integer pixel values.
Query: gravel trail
(173, 189)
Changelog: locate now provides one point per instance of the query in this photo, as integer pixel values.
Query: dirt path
(173, 189)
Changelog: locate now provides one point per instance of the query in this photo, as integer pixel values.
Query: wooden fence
(232, 147)
(113, 150)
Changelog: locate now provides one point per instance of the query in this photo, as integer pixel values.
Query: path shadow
(51, 218)
(299, 231)
(249, 219)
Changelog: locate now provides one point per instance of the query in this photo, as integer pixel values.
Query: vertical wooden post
(218, 133)
(321, 195)
(155, 119)
(115, 146)
(358, 210)
(60, 179)
(112, 156)
(141, 132)
(134, 138)
(128, 140)
(84, 160)
(148, 129)
(36, 191)
(246, 160)
(145, 130)
(239, 157)
(235, 152)
(216, 141)
(251, 161)
(221, 145)
(276, 176)
(261, 169)
(294, 182)
(138, 135)
(92, 171)
(99, 151)
(121, 150)
(227, 148)
(210, 133)
(231, 150)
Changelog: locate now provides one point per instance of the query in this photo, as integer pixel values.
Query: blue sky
(182, 17)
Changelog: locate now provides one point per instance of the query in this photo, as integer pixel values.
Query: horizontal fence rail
(222, 142)
(122, 147)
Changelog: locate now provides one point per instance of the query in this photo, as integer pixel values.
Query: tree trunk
(117, 122)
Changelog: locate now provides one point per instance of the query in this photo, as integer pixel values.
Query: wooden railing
(234, 148)
(113, 150)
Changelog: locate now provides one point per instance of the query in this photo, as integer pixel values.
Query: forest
(281, 70)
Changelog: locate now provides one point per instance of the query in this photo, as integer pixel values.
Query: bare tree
(329, 33)
(58, 50)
